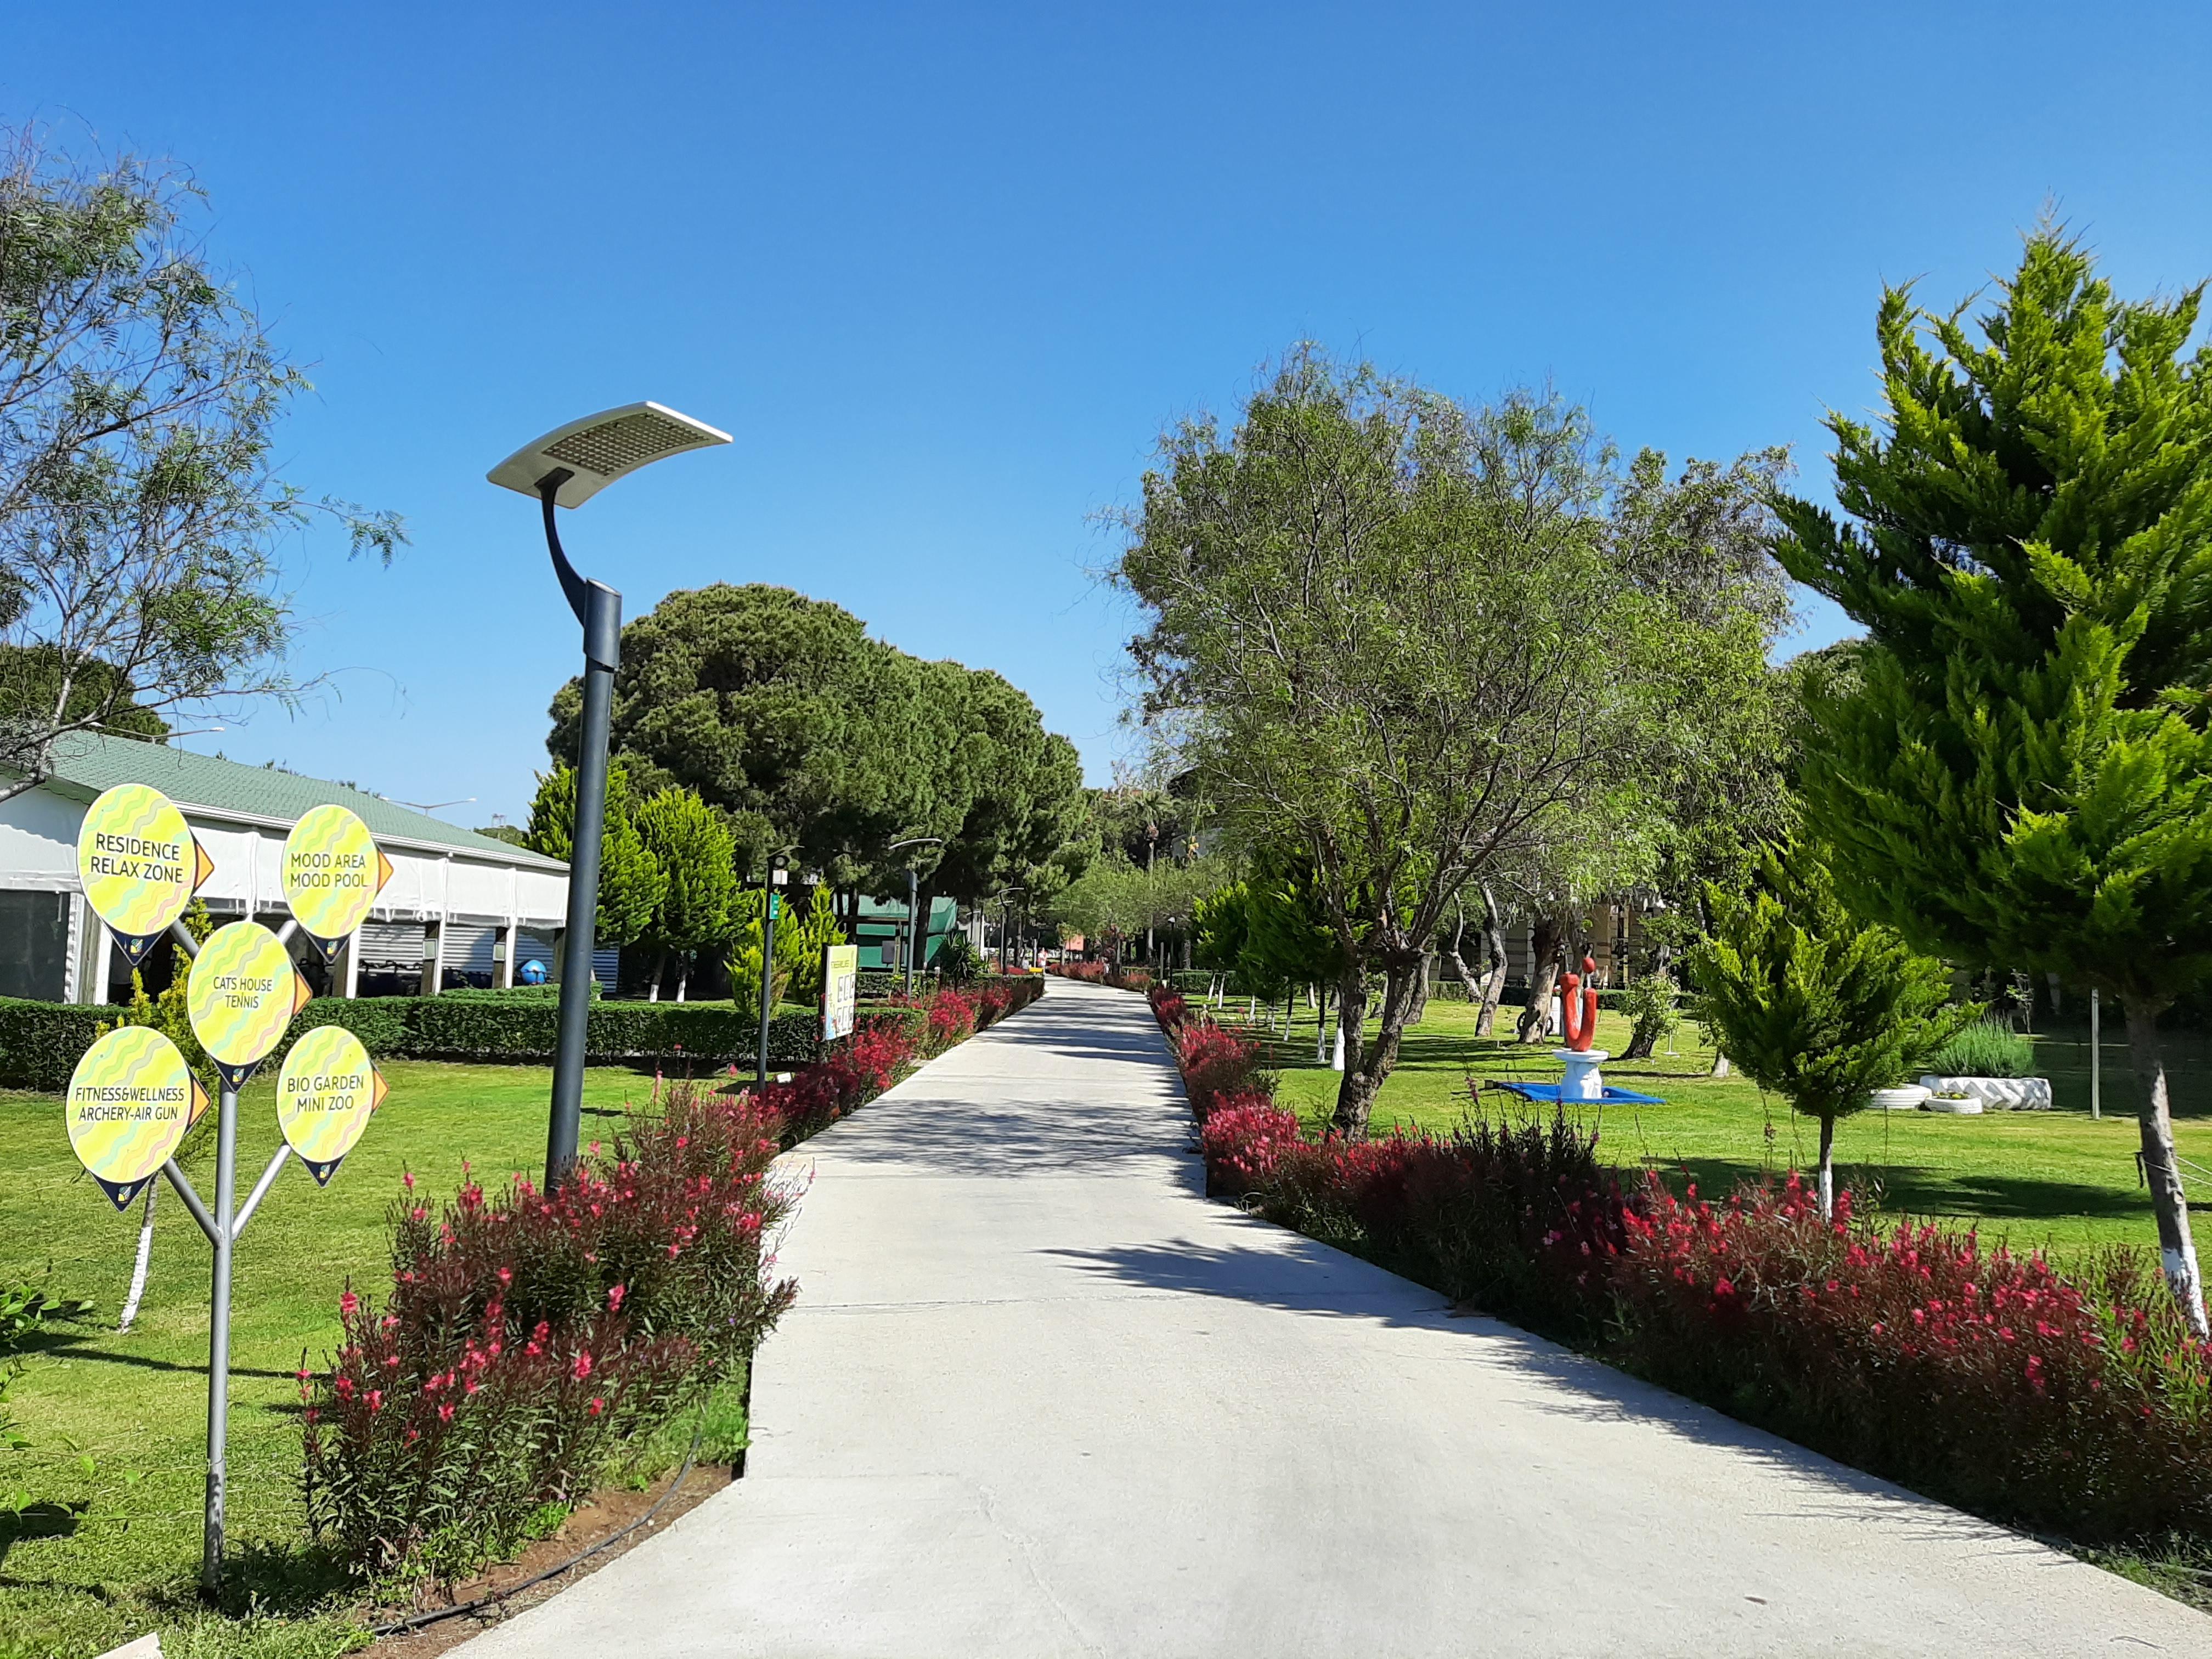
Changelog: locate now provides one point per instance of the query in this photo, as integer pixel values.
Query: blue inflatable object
(531, 972)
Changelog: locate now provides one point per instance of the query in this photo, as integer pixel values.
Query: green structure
(881, 925)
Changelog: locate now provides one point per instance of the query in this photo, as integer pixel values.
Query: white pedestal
(1584, 1080)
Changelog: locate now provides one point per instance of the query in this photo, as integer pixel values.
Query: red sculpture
(1578, 1007)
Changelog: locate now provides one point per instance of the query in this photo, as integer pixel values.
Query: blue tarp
(1548, 1093)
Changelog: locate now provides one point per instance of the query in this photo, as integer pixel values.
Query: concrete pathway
(1041, 1397)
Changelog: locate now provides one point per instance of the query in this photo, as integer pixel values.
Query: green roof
(86, 762)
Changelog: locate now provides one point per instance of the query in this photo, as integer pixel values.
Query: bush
(526, 1337)
(2081, 1405)
(1988, 1048)
(1978, 1377)
(40, 1042)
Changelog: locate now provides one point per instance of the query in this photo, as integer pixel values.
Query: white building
(460, 907)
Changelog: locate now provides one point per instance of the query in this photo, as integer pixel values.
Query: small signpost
(132, 1096)
(130, 1100)
(841, 980)
(138, 865)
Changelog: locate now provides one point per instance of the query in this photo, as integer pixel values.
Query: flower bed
(525, 1337)
(2077, 1403)
(1100, 973)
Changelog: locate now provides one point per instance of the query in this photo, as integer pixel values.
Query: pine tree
(631, 880)
(2023, 778)
(1815, 1004)
(697, 856)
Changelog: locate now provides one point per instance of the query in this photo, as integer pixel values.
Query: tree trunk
(1549, 935)
(1493, 980)
(1641, 1042)
(1367, 1066)
(660, 973)
(2169, 1201)
(1827, 1168)
(682, 973)
(1320, 1026)
(145, 1257)
(1454, 963)
(1720, 1064)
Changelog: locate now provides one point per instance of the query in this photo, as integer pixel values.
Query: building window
(34, 944)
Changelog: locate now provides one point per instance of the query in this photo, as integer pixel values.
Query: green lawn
(2036, 1178)
(97, 1556)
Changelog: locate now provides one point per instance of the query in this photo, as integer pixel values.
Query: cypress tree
(2023, 778)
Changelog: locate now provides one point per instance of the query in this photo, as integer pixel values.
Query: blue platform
(1548, 1093)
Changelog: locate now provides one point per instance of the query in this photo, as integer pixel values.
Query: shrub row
(40, 1042)
(526, 1337)
(2076, 1403)
(1100, 973)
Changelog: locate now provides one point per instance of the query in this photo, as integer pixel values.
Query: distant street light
(432, 806)
(779, 874)
(566, 468)
(1006, 916)
(913, 898)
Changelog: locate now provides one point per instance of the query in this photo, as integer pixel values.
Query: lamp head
(599, 448)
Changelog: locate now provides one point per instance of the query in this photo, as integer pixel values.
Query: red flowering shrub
(1980, 1376)
(526, 1336)
(849, 1074)
(1215, 1064)
(951, 1020)
(1242, 1138)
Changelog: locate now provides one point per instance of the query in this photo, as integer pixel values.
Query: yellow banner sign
(841, 981)
(324, 1097)
(243, 993)
(333, 873)
(138, 864)
(130, 1100)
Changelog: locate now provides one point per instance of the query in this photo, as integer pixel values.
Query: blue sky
(945, 271)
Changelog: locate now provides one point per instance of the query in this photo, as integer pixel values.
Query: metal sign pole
(2096, 1058)
(225, 1183)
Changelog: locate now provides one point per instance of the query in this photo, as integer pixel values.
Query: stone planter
(1999, 1094)
(1902, 1099)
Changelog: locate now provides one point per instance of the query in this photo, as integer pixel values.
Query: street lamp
(1006, 914)
(566, 468)
(913, 898)
(779, 874)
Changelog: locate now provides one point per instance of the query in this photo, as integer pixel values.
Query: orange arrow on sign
(302, 992)
(378, 1089)
(204, 866)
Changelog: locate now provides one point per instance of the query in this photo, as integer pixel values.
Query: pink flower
(376, 1399)
(348, 1304)
(582, 1368)
(445, 1414)
(614, 1300)
(597, 1406)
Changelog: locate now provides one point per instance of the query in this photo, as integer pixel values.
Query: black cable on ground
(435, 1615)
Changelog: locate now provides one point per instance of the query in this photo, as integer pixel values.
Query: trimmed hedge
(40, 1042)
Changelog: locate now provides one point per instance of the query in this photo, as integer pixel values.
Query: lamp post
(1006, 918)
(566, 468)
(913, 898)
(779, 872)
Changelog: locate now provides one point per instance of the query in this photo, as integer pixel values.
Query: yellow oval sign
(243, 993)
(332, 873)
(138, 863)
(324, 1097)
(130, 1100)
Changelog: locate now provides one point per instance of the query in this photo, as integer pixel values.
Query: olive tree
(1389, 631)
(139, 509)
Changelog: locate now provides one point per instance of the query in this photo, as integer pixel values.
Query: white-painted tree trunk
(145, 1258)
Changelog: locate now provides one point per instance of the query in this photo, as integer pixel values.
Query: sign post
(840, 979)
(132, 1096)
